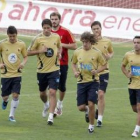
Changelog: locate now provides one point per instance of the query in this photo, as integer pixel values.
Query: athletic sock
(137, 128)
(47, 104)
(14, 105)
(91, 126)
(87, 110)
(50, 115)
(100, 118)
(59, 103)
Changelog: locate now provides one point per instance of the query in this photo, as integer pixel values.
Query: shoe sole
(50, 123)
(12, 120)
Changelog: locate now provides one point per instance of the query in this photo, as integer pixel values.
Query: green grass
(118, 123)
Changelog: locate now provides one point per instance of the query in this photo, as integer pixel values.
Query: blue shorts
(134, 96)
(10, 85)
(50, 80)
(63, 78)
(103, 81)
(87, 92)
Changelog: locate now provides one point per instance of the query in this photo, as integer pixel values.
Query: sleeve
(70, 37)
(110, 47)
(125, 60)
(74, 59)
(33, 45)
(24, 50)
(101, 59)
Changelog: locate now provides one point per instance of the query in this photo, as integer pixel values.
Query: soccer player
(67, 42)
(11, 50)
(85, 63)
(46, 46)
(132, 72)
(105, 46)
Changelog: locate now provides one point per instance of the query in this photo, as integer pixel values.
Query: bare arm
(94, 72)
(36, 52)
(71, 46)
(126, 72)
(108, 56)
(75, 72)
(21, 66)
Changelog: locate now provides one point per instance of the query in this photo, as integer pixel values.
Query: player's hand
(107, 56)
(76, 74)
(21, 66)
(44, 49)
(59, 56)
(2, 66)
(129, 75)
(94, 72)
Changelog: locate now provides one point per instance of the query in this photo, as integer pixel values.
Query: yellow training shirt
(87, 61)
(10, 56)
(132, 60)
(105, 46)
(46, 62)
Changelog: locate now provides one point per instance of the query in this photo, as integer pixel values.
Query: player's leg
(92, 99)
(6, 91)
(137, 127)
(15, 90)
(53, 80)
(82, 103)
(14, 105)
(91, 116)
(62, 88)
(42, 83)
(101, 97)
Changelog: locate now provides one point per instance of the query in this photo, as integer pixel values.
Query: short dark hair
(55, 14)
(46, 21)
(88, 37)
(96, 23)
(137, 37)
(11, 30)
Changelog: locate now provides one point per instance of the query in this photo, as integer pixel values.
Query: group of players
(89, 63)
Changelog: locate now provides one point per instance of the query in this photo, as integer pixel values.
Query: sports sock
(87, 110)
(100, 118)
(91, 126)
(137, 128)
(59, 103)
(47, 104)
(50, 115)
(14, 105)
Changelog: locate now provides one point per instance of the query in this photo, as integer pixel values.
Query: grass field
(118, 123)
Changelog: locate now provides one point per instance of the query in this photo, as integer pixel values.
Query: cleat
(86, 118)
(55, 113)
(58, 111)
(4, 105)
(50, 121)
(90, 131)
(96, 114)
(11, 119)
(99, 123)
(135, 134)
(45, 111)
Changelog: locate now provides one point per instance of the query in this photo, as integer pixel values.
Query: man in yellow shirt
(46, 46)
(85, 63)
(132, 60)
(11, 50)
(105, 46)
